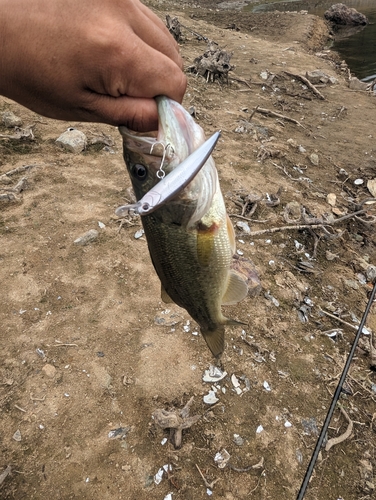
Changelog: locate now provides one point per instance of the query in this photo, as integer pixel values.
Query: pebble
(371, 186)
(210, 398)
(138, 234)
(17, 435)
(214, 374)
(87, 238)
(221, 458)
(72, 140)
(352, 284)
(371, 273)
(243, 226)
(9, 119)
(314, 159)
(238, 440)
(49, 370)
(266, 386)
(331, 199)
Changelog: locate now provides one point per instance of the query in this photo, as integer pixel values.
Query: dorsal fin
(237, 289)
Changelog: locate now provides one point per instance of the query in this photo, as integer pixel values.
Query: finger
(136, 113)
(149, 73)
(149, 28)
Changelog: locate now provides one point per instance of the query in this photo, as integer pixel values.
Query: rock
(351, 284)
(72, 140)
(356, 84)
(371, 186)
(103, 377)
(331, 199)
(87, 238)
(247, 270)
(371, 273)
(9, 119)
(49, 370)
(293, 211)
(314, 159)
(343, 15)
(317, 76)
(330, 256)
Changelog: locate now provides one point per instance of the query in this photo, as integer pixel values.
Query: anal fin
(237, 289)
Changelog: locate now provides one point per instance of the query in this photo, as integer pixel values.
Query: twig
(60, 344)
(18, 170)
(354, 327)
(305, 226)
(237, 79)
(36, 399)
(195, 33)
(246, 218)
(19, 408)
(345, 435)
(253, 112)
(257, 485)
(5, 473)
(308, 83)
(207, 484)
(259, 465)
(268, 112)
(286, 228)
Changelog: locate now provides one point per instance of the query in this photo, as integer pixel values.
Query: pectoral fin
(231, 234)
(237, 289)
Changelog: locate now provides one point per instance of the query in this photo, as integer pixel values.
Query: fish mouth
(177, 136)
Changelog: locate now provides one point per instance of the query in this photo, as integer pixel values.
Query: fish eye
(139, 171)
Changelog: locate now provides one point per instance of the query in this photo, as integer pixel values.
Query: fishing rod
(337, 393)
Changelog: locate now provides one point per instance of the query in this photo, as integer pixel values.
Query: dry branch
(344, 436)
(308, 83)
(307, 225)
(268, 112)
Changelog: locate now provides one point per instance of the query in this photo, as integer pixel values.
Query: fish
(191, 239)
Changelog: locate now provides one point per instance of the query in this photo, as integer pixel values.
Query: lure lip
(174, 182)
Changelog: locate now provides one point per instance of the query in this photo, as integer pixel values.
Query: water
(359, 49)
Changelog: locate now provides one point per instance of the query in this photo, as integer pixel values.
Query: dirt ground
(88, 347)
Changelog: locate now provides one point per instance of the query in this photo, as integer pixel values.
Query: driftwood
(173, 26)
(213, 63)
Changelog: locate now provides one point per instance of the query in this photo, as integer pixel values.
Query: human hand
(92, 60)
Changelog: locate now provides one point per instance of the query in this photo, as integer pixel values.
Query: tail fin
(215, 338)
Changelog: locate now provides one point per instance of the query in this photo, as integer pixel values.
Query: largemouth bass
(191, 239)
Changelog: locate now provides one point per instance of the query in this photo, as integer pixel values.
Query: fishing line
(337, 393)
